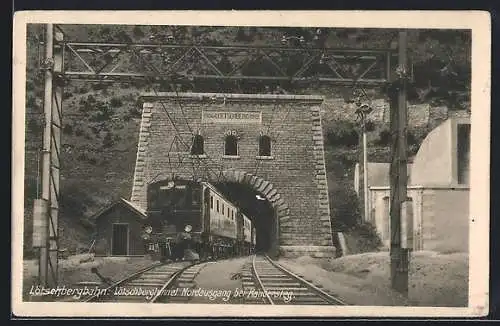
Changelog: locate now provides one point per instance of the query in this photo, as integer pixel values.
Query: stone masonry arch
(293, 178)
(267, 190)
(262, 186)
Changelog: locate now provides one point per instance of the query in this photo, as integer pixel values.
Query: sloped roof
(134, 206)
(379, 174)
(125, 203)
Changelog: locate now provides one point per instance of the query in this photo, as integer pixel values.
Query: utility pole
(362, 112)
(46, 209)
(46, 158)
(398, 124)
(365, 173)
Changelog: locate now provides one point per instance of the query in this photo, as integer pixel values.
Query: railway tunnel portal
(250, 146)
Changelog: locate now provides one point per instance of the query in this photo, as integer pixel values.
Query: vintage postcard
(251, 164)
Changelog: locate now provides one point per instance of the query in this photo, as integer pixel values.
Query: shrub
(34, 125)
(364, 238)
(134, 112)
(30, 86)
(137, 31)
(79, 131)
(68, 129)
(343, 133)
(115, 102)
(241, 35)
(384, 138)
(98, 86)
(101, 113)
(107, 141)
(369, 126)
(87, 104)
(344, 208)
(92, 161)
(83, 90)
(31, 102)
(83, 157)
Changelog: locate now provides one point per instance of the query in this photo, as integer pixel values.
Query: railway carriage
(219, 228)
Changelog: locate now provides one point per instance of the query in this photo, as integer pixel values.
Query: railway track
(149, 285)
(267, 282)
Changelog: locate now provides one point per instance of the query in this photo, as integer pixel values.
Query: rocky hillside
(101, 121)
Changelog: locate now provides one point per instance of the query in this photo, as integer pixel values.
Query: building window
(197, 146)
(212, 202)
(228, 216)
(463, 153)
(264, 146)
(222, 208)
(217, 205)
(231, 146)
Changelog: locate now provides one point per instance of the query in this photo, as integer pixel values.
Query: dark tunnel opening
(260, 212)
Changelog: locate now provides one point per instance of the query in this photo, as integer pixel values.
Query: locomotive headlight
(146, 237)
(148, 229)
(170, 185)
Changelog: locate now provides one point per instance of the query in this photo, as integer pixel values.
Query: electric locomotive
(185, 214)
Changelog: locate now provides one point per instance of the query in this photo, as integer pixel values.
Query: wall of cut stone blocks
(294, 178)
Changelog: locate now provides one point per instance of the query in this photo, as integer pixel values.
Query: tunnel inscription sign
(231, 117)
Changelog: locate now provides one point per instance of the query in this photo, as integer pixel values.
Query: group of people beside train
(184, 246)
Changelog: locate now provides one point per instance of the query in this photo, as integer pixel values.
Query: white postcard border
(480, 24)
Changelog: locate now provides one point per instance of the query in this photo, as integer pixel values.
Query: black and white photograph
(251, 164)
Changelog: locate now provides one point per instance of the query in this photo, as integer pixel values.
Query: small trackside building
(436, 217)
(119, 229)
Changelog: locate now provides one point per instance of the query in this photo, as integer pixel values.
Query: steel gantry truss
(126, 62)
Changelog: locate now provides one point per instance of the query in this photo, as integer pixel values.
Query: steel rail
(126, 279)
(326, 296)
(259, 281)
(171, 280)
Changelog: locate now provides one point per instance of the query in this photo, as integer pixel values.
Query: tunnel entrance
(259, 210)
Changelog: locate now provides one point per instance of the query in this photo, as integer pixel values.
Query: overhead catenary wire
(174, 125)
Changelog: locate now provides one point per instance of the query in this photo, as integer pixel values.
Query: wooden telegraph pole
(398, 124)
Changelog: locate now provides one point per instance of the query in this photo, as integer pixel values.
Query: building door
(119, 241)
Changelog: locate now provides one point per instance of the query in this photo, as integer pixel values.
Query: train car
(217, 228)
(220, 222)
